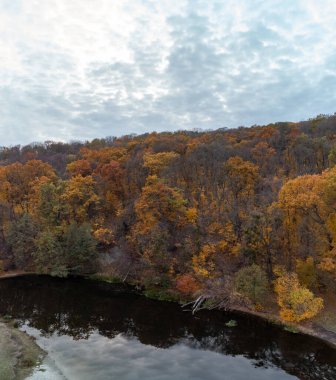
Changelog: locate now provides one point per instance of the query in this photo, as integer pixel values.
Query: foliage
(306, 272)
(21, 240)
(161, 294)
(181, 213)
(158, 161)
(104, 236)
(251, 282)
(296, 302)
(79, 249)
(48, 256)
(80, 197)
(187, 284)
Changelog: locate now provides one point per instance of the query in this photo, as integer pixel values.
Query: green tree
(251, 282)
(79, 249)
(48, 256)
(21, 240)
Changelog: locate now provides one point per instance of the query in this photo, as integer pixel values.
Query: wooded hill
(239, 216)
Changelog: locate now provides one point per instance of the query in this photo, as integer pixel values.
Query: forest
(243, 216)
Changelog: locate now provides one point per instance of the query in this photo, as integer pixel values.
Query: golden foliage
(18, 180)
(155, 162)
(80, 196)
(79, 167)
(104, 236)
(296, 302)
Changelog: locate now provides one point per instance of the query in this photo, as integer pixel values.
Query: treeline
(233, 215)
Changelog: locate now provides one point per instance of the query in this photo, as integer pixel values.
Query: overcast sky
(79, 69)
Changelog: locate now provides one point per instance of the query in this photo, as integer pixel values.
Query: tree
(156, 162)
(187, 284)
(109, 179)
(17, 181)
(48, 256)
(304, 212)
(296, 302)
(21, 240)
(79, 167)
(307, 272)
(241, 180)
(79, 249)
(218, 251)
(159, 204)
(81, 198)
(251, 282)
(48, 205)
(258, 240)
(60, 252)
(262, 153)
(160, 216)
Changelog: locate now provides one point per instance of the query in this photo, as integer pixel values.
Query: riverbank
(313, 328)
(19, 354)
(15, 273)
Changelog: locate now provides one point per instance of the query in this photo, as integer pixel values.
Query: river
(97, 331)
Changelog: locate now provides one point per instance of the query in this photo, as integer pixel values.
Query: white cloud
(83, 69)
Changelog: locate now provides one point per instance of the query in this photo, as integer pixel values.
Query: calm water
(97, 331)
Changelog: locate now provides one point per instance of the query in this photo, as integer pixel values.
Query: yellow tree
(160, 215)
(104, 156)
(217, 253)
(109, 180)
(81, 198)
(17, 181)
(156, 162)
(106, 167)
(296, 302)
(79, 167)
(304, 211)
(241, 179)
(159, 203)
(328, 260)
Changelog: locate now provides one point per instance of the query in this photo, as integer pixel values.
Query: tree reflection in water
(77, 308)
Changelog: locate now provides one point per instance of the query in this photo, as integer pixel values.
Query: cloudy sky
(79, 69)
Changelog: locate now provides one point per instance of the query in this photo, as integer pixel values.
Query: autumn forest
(242, 217)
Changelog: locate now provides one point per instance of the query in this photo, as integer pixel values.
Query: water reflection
(126, 358)
(95, 328)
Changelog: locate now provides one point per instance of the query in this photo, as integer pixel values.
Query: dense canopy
(247, 215)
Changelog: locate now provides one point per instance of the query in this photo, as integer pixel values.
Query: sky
(80, 69)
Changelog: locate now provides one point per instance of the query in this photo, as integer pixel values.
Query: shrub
(187, 284)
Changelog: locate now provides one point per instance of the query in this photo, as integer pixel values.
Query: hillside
(244, 216)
